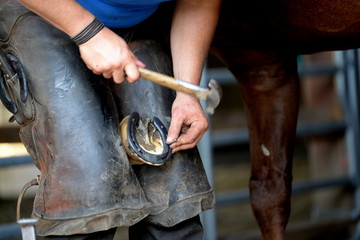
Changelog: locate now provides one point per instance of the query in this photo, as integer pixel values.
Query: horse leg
(270, 92)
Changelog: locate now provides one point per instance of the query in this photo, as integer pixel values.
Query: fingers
(130, 72)
(108, 55)
(182, 136)
(188, 123)
(107, 74)
(174, 131)
(117, 76)
(188, 138)
(140, 63)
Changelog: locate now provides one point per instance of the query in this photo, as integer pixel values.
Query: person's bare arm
(192, 31)
(67, 15)
(106, 53)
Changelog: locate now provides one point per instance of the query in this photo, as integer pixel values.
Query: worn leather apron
(69, 125)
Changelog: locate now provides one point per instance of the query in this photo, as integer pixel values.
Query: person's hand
(108, 54)
(188, 123)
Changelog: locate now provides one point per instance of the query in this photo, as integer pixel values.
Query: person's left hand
(188, 123)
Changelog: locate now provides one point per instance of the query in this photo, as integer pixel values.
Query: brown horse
(259, 42)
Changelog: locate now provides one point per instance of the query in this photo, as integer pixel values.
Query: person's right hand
(108, 54)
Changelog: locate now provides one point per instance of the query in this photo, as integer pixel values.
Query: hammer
(211, 95)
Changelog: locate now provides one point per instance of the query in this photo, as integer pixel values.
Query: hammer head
(213, 97)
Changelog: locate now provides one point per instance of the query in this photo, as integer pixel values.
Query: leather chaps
(69, 125)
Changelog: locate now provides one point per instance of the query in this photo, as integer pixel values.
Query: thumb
(174, 131)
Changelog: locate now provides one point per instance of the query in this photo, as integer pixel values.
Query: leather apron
(69, 125)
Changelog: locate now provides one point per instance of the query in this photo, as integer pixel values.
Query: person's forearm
(66, 15)
(192, 30)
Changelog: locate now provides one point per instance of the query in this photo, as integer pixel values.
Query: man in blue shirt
(81, 60)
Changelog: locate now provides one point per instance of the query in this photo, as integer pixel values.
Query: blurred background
(323, 187)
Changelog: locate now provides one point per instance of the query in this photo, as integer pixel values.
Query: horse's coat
(259, 41)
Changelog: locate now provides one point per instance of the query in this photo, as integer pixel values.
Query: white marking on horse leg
(265, 151)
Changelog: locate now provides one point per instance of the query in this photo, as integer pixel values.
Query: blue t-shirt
(121, 13)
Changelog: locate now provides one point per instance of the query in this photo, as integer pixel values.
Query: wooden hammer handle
(172, 83)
